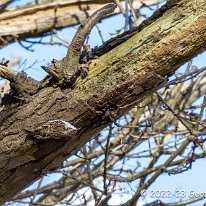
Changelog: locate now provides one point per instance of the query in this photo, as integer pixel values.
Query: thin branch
(120, 6)
(173, 112)
(90, 175)
(105, 159)
(37, 190)
(61, 38)
(160, 170)
(186, 77)
(186, 202)
(133, 12)
(126, 26)
(86, 184)
(100, 34)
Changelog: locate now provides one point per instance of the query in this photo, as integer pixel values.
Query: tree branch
(40, 19)
(71, 60)
(116, 81)
(7, 73)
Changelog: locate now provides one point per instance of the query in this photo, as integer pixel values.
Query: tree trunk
(116, 81)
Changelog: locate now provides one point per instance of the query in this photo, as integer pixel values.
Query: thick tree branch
(41, 19)
(7, 73)
(116, 81)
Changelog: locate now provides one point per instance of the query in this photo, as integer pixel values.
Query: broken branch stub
(67, 70)
(22, 86)
(7, 73)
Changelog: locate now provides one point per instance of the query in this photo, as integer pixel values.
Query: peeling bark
(116, 81)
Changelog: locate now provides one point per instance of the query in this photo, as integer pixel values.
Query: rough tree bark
(41, 19)
(116, 80)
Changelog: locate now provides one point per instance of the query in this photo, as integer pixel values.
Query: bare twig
(100, 34)
(105, 159)
(160, 170)
(120, 6)
(37, 189)
(176, 115)
(133, 12)
(90, 175)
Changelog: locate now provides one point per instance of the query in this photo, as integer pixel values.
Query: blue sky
(191, 180)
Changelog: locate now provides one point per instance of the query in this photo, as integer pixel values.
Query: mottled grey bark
(116, 81)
